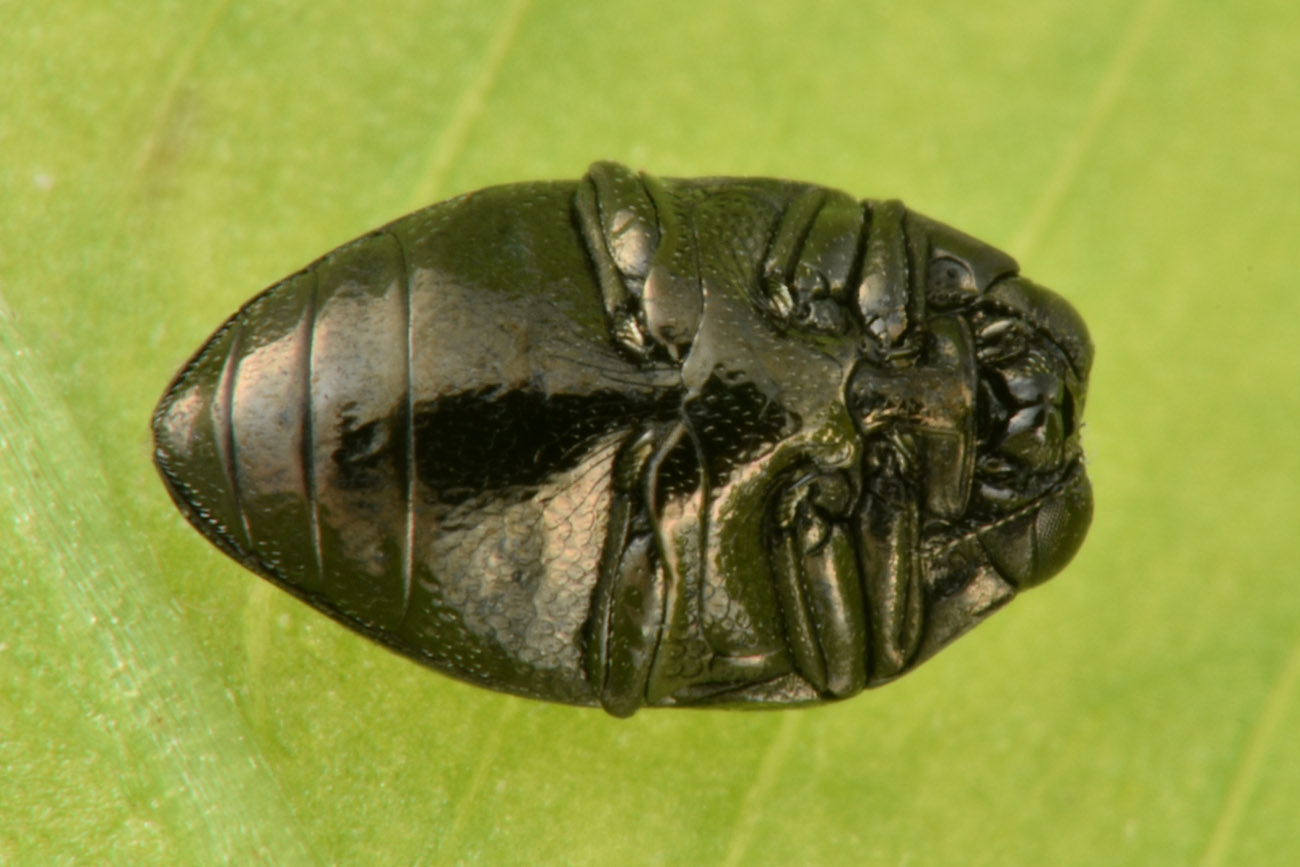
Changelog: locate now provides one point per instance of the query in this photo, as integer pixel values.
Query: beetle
(634, 441)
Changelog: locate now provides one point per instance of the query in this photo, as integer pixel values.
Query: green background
(162, 161)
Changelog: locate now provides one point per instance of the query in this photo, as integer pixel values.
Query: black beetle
(636, 441)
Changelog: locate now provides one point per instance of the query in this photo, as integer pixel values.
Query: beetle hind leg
(645, 258)
(627, 610)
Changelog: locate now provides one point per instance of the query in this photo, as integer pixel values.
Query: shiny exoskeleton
(635, 441)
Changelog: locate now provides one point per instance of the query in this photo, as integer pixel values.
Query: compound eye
(948, 274)
(1034, 546)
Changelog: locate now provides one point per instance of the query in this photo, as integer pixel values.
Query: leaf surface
(161, 161)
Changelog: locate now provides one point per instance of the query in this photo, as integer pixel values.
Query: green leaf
(161, 161)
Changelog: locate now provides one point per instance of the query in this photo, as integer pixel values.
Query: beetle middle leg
(847, 574)
(809, 261)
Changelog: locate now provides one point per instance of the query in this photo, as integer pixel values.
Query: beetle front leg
(889, 525)
(817, 582)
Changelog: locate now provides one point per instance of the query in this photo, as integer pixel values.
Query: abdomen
(414, 435)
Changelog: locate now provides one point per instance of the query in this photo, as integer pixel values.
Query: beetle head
(986, 416)
(1029, 486)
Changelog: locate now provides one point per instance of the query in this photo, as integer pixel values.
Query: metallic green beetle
(635, 441)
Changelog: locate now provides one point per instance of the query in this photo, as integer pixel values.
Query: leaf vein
(1099, 108)
(1252, 760)
(769, 770)
(467, 111)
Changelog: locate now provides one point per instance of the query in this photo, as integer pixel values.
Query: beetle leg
(632, 620)
(618, 221)
(645, 259)
(637, 581)
(809, 259)
(818, 585)
(673, 299)
(889, 523)
(888, 298)
(783, 251)
(627, 606)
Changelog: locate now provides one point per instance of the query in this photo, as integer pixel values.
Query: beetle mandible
(637, 441)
